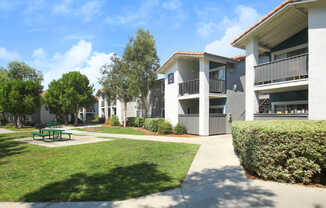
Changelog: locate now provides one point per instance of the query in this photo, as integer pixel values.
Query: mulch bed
(167, 135)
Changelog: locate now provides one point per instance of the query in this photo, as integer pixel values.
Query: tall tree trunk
(21, 121)
(16, 121)
(125, 114)
(76, 118)
(144, 105)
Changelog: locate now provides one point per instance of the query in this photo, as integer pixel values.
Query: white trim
(218, 68)
(287, 50)
(280, 85)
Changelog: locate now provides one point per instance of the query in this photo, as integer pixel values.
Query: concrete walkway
(215, 179)
(5, 131)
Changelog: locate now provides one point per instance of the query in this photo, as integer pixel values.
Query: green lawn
(12, 128)
(112, 130)
(113, 170)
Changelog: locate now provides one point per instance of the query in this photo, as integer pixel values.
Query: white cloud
(89, 10)
(171, 4)
(138, 16)
(246, 16)
(62, 8)
(206, 29)
(79, 57)
(85, 12)
(8, 55)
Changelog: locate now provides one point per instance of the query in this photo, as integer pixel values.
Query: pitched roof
(193, 53)
(284, 4)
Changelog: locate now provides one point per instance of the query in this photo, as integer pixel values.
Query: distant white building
(134, 108)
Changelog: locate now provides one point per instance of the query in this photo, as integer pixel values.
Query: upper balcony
(280, 71)
(192, 87)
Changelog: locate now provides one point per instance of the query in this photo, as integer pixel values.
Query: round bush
(139, 122)
(164, 127)
(284, 151)
(151, 124)
(180, 129)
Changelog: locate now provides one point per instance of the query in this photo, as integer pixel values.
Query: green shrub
(164, 127)
(180, 129)
(98, 119)
(284, 151)
(115, 121)
(131, 121)
(139, 122)
(151, 124)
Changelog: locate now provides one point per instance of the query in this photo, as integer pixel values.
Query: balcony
(192, 87)
(290, 69)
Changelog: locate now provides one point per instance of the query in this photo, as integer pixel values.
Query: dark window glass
(171, 78)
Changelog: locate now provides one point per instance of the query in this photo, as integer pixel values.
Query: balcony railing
(289, 69)
(217, 86)
(192, 87)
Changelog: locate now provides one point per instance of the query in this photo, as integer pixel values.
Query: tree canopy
(141, 56)
(20, 90)
(69, 94)
(117, 82)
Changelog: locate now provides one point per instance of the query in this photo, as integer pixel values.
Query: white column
(106, 105)
(204, 97)
(252, 56)
(84, 114)
(317, 70)
(99, 107)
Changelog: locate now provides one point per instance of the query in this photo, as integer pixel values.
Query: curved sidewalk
(215, 179)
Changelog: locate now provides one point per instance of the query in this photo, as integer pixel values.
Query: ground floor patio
(215, 179)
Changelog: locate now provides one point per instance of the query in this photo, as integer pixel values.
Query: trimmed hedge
(151, 124)
(164, 127)
(135, 121)
(180, 129)
(284, 151)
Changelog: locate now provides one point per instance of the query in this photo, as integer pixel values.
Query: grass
(113, 170)
(112, 130)
(13, 128)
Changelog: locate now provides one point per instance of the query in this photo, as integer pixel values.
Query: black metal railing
(192, 87)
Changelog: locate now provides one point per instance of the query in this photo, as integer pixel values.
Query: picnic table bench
(40, 134)
(52, 134)
(53, 124)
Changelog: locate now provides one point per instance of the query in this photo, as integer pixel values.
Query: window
(290, 54)
(217, 109)
(291, 107)
(218, 74)
(171, 78)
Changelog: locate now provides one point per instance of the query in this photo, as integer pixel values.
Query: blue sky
(65, 35)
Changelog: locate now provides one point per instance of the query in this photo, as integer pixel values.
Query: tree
(20, 91)
(141, 56)
(117, 83)
(69, 94)
(53, 99)
(3, 77)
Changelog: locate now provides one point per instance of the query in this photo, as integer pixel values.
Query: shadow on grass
(8, 147)
(118, 184)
